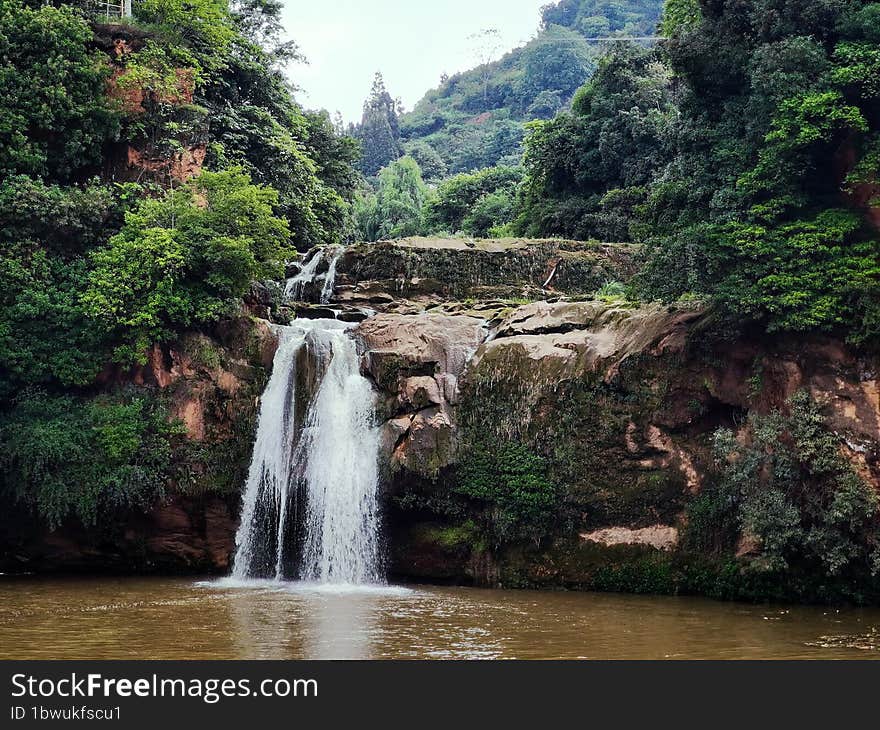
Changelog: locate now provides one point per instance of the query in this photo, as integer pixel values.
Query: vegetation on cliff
(149, 172)
(788, 491)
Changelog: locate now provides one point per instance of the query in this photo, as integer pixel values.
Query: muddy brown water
(160, 618)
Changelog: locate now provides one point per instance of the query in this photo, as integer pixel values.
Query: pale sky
(412, 42)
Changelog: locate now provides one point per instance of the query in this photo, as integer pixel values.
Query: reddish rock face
(181, 535)
(137, 159)
(212, 385)
(416, 362)
(672, 388)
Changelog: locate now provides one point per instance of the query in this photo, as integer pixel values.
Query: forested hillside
(475, 119)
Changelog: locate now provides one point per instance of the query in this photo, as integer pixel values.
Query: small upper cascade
(296, 285)
(330, 276)
(310, 275)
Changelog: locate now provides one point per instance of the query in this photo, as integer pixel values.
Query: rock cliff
(211, 383)
(533, 434)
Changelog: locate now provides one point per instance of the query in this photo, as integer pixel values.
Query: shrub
(69, 457)
(185, 259)
(512, 481)
(789, 488)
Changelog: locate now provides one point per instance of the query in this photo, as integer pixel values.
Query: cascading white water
(338, 452)
(313, 479)
(330, 276)
(296, 284)
(268, 480)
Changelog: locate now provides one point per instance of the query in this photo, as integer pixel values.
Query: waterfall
(330, 276)
(296, 285)
(313, 479)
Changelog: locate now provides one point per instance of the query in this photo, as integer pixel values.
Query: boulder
(398, 346)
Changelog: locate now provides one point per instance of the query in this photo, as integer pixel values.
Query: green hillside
(476, 119)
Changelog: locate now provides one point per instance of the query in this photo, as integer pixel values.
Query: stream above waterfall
(161, 618)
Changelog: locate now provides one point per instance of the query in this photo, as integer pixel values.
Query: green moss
(512, 482)
(494, 267)
(627, 497)
(203, 352)
(467, 535)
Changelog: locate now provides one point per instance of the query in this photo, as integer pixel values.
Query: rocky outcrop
(182, 534)
(622, 402)
(416, 361)
(659, 537)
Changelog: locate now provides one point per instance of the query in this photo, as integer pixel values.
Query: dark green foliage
(473, 202)
(84, 458)
(55, 118)
(586, 170)
(198, 32)
(431, 164)
(46, 232)
(395, 209)
(45, 335)
(65, 220)
(512, 482)
(379, 130)
(788, 487)
(778, 122)
(678, 16)
(256, 124)
(601, 18)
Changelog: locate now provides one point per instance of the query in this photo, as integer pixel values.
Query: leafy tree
(558, 60)
(431, 164)
(679, 15)
(395, 210)
(778, 115)
(255, 124)
(185, 259)
(454, 206)
(46, 232)
(200, 32)
(586, 170)
(603, 18)
(490, 215)
(260, 22)
(788, 487)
